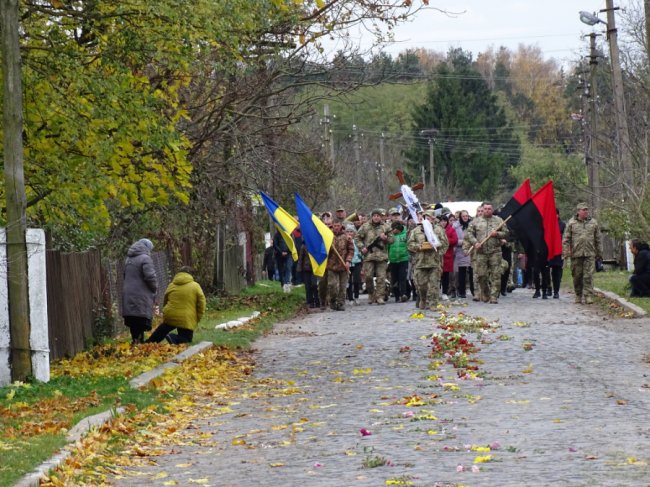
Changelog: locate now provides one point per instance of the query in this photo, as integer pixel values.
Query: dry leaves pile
(201, 383)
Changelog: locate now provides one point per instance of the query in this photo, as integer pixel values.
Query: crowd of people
(388, 255)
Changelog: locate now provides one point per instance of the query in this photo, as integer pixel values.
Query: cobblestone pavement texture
(572, 410)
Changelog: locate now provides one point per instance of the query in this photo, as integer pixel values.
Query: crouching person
(183, 308)
(640, 280)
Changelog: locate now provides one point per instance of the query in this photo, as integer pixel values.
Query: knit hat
(350, 228)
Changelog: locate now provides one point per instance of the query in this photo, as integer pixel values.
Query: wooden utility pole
(592, 150)
(357, 154)
(329, 139)
(624, 150)
(646, 6)
(382, 166)
(16, 200)
(431, 134)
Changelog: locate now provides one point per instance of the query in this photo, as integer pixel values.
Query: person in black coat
(269, 262)
(640, 280)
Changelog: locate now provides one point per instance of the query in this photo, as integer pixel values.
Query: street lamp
(623, 135)
(589, 18)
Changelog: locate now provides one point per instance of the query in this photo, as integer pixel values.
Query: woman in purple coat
(139, 289)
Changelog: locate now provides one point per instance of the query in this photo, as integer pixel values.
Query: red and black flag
(536, 221)
(522, 195)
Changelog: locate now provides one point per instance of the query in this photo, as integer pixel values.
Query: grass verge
(618, 282)
(35, 417)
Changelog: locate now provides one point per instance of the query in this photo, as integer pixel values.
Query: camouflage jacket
(582, 239)
(424, 259)
(367, 234)
(344, 246)
(480, 228)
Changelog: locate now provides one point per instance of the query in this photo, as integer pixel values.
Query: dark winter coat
(140, 281)
(642, 261)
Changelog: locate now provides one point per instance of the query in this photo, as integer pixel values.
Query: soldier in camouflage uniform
(487, 260)
(338, 266)
(372, 239)
(583, 244)
(427, 262)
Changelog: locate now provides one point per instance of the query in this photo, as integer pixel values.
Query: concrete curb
(82, 427)
(638, 311)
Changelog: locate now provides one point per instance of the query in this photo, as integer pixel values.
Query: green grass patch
(35, 417)
(618, 282)
(266, 297)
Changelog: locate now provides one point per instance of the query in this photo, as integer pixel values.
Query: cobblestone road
(563, 400)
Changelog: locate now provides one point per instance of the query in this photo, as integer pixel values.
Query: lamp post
(623, 135)
(431, 138)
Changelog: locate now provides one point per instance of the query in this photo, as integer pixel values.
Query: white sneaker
(444, 297)
(356, 301)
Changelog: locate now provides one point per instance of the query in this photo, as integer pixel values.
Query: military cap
(377, 211)
(340, 208)
(350, 228)
(582, 206)
(429, 213)
(394, 211)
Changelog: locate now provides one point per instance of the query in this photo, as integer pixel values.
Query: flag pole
(495, 230)
(340, 258)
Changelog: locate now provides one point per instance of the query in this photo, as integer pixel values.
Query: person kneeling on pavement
(640, 280)
(183, 308)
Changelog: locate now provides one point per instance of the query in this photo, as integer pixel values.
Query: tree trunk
(21, 365)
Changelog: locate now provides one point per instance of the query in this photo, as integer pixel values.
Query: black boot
(537, 294)
(545, 295)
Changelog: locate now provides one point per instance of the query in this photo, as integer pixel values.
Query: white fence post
(38, 339)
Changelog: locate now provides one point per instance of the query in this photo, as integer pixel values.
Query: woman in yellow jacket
(183, 308)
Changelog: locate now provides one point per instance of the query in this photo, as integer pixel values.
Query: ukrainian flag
(284, 222)
(316, 236)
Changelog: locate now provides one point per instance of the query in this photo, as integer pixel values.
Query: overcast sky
(553, 25)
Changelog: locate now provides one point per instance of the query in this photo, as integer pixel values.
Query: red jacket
(448, 258)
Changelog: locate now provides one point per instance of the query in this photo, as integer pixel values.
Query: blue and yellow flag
(316, 236)
(284, 222)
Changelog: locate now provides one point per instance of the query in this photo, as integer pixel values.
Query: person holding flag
(283, 244)
(486, 234)
(338, 266)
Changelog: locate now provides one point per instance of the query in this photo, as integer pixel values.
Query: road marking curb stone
(33, 479)
(638, 311)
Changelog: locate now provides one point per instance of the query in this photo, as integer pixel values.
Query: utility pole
(19, 324)
(646, 7)
(592, 147)
(624, 151)
(357, 154)
(431, 134)
(329, 139)
(381, 165)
